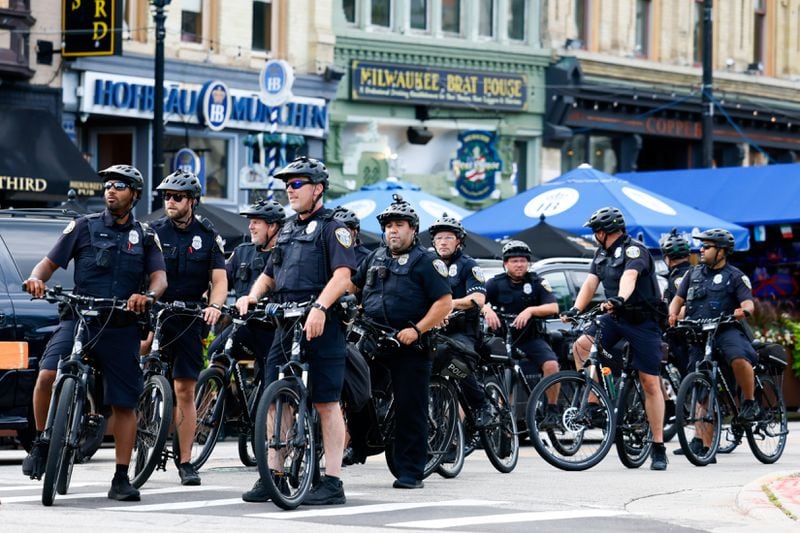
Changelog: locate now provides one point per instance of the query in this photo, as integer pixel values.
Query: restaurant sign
(384, 82)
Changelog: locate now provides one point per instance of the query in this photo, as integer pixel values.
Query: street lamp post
(159, 17)
(708, 103)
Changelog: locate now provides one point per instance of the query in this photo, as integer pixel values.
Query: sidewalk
(774, 498)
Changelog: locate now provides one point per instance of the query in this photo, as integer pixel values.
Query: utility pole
(708, 104)
(157, 173)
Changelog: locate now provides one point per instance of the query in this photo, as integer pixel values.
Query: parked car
(25, 324)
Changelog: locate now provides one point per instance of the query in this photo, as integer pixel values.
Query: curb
(753, 501)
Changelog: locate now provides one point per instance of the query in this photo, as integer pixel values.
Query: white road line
(374, 508)
(174, 506)
(145, 493)
(38, 486)
(506, 518)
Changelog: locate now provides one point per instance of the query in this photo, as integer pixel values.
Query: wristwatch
(216, 306)
(320, 307)
(151, 294)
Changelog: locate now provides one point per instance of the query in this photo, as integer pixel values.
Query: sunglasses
(117, 185)
(178, 198)
(297, 184)
(707, 246)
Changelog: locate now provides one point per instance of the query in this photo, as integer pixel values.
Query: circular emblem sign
(186, 160)
(215, 106)
(552, 202)
(276, 80)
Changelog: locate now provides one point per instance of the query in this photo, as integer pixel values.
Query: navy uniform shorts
(181, 339)
(538, 351)
(116, 352)
(732, 343)
(326, 357)
(644, 340)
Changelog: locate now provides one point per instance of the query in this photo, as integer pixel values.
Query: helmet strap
(314, 205)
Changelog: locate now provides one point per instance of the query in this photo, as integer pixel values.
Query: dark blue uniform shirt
(514, 297)
(244, 266)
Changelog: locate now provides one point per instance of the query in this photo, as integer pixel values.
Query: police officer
(627, 271)
(243, 268)
(675, 249)
(523, 293)
(467, 284)
(313, 259)
(351, 221)
(113, 255)
(714, 288)
(193, 252)
(406, 288)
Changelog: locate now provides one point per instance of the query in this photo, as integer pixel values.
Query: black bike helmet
(675, 246)
(347, 217)
(307, 167)
(399, 209)
(516, 249)
(269, 211)
(722, 238)
(447, 223)
(183, 182)
(125, 173)
(608, 219)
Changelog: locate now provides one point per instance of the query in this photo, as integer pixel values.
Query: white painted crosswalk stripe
(373, 508)
(508, 518)
(174, 506)
(38, 486)
(87, 495)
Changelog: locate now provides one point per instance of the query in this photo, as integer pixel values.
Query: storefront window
(596, 150)
(486, 18)
(381, 13)
(698, 31)
(642, 28)
(419, 14)
(349, 7)
(262, 25)
(759, 25)
(516, 20)
(451, 16)
(192, 21)
(213, 154)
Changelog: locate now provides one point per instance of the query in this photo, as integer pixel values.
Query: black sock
(121, 471)
(186, 464)
(659, 446)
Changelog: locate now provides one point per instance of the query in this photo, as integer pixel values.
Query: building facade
(443, 93)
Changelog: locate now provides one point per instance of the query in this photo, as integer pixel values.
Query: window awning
(38, 161)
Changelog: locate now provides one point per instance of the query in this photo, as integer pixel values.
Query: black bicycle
(69, 416)
(707, 402)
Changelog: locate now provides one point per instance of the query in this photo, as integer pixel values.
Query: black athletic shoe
(552, 418)
(188, 474)
(406, 484)
(329, 491)
(122, 490)
(658, 458)
(35, 462)
(484, 415)
(258, 494)
(749, 411)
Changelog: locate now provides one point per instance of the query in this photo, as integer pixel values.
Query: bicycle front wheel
(767, 436)
(500, 438)
(284, 443)
(453, 461)
(634, 440)
(442, 417)
(209, 401)
(699, 419)
(153, 418)
(580, 431)
(61, 455)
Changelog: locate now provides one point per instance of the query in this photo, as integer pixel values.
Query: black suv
(25, 237)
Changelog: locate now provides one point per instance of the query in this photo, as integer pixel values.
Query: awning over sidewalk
(744, 195)
(38, 161)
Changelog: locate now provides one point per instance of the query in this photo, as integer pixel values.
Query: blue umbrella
(391, 184)
(367, 204)
(569, 200)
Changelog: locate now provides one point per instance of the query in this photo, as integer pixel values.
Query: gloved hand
(616, 302)
(572, 312)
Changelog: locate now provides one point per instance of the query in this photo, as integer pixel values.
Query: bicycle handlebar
(57, 295)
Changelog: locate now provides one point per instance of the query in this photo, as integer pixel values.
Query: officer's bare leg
(41, 397)
(185, 416)
(330, 415)
(124, 433)
(653, 404)
(549, 368)
(745, 377)
(580, 350)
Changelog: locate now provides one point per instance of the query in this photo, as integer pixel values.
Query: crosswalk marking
(443, 523)
(373, 508)
(86, 495)
(174, 506)
(38, 486)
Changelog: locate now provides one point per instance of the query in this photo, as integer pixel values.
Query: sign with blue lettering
(216, 105)
(276, 80)
(476, 164)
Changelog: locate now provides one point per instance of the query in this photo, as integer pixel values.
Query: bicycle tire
(153, 419)
(731, 435)
(500, 439)
(247, 453)
(587, 436)
(450, 469)
(442, 417)
(634, 439)
(59, 450)
(767, 436)
(670, 379)
(289, 484)
(94, 427)
(209, 400)
(696, 417)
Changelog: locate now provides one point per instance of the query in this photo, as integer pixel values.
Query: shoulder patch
(344, 237)
(220, 243)
(633, 252)
(440, 267)
(69, 228)
(477, 273)
(546, 285)
(678, 282)
(746, 282)
(157, 241)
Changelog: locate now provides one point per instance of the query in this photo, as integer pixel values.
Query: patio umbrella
(549, 241)
(232, 227)
(570, 200)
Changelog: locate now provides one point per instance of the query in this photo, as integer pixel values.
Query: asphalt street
(726, 497)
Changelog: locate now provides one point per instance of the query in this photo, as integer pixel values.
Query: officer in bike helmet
(351, 221)
(714, 288)
(520, 292)
(676, 250)
(633, 309)
(312, 260)
(405, 287)
(113, 254)
(194, 254)
(469, 295)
